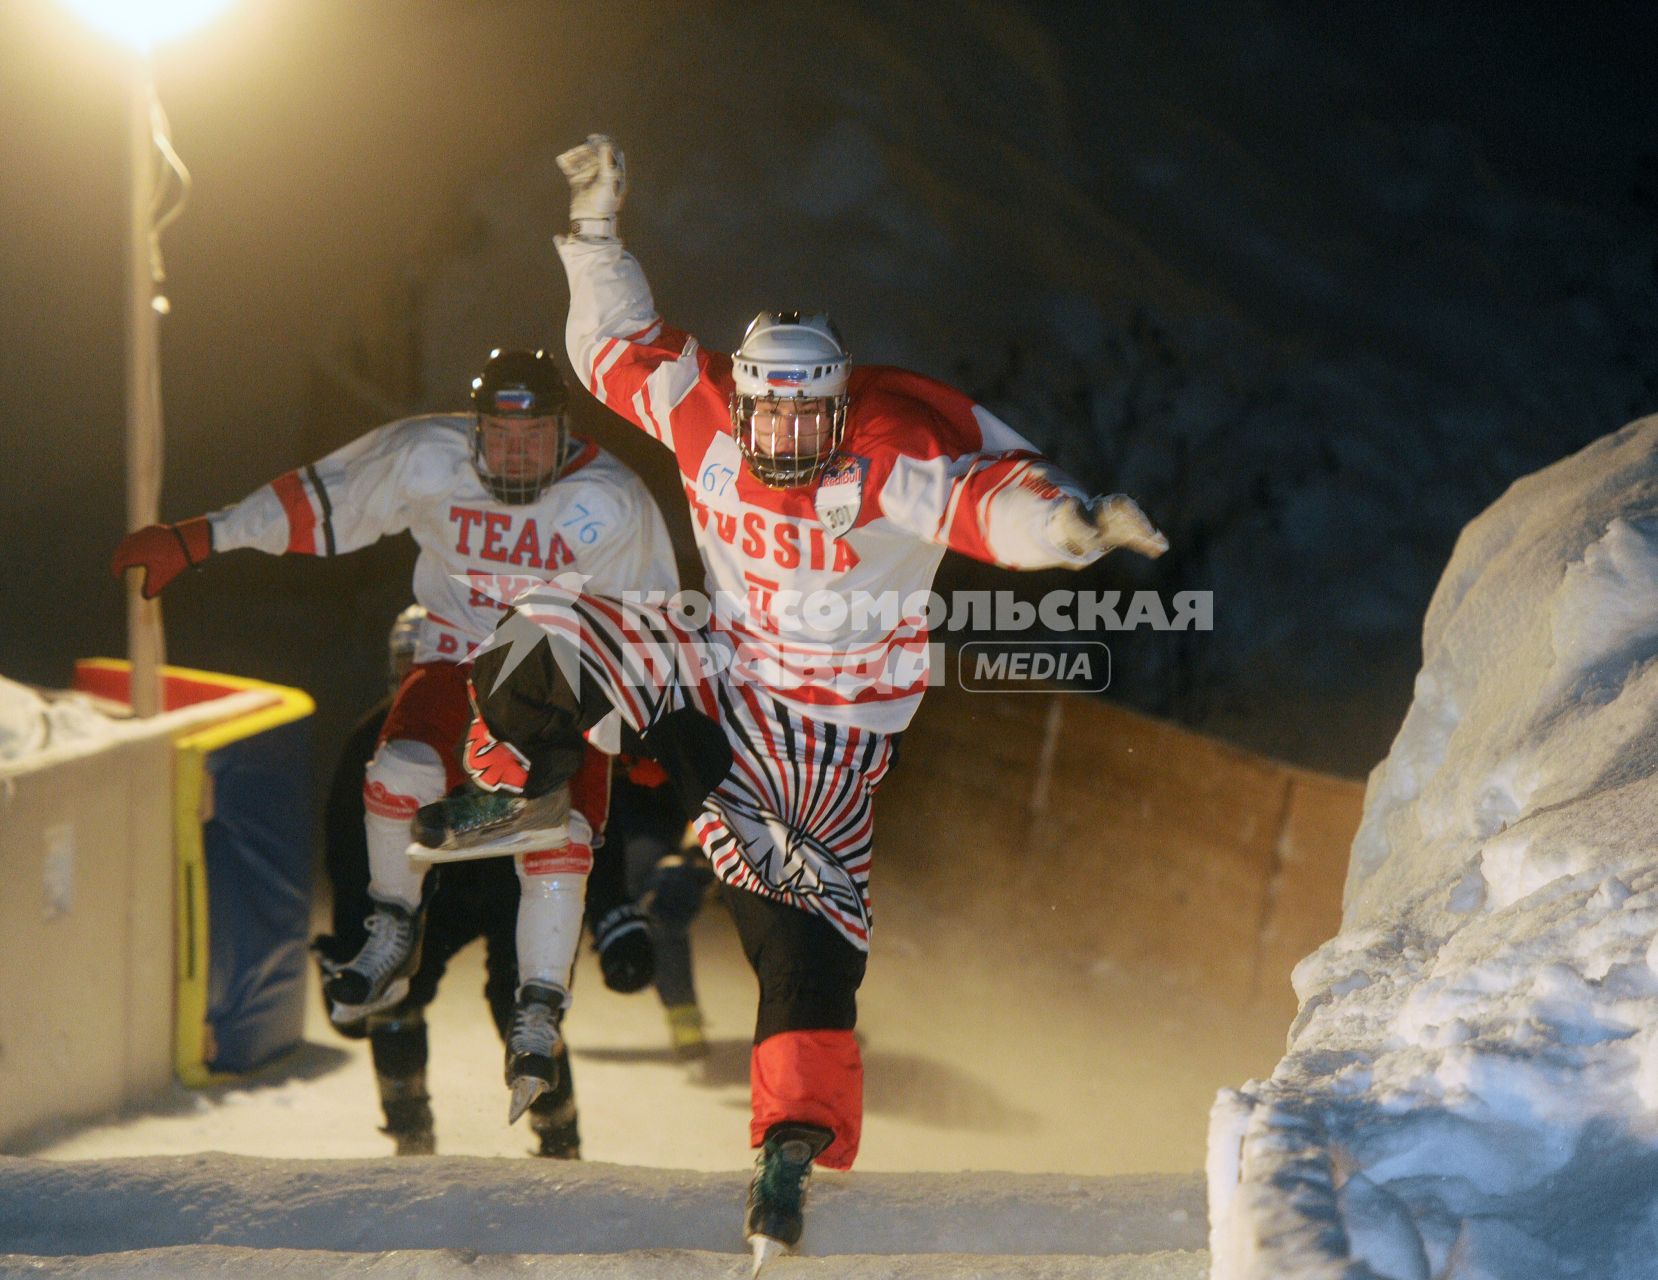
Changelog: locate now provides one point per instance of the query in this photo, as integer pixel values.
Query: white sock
(549, 925)
(402, 776)
(391, 875)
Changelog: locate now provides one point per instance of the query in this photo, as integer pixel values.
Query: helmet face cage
(401, 643)
(514, 459)
(797, 455)
(532, 457)
(789, 396)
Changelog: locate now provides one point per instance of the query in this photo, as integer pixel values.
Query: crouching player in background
(651, 861)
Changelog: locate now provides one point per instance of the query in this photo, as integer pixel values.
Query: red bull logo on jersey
(840, 493)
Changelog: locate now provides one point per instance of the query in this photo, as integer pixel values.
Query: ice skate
(489, 824)
(378, 977)
(777, 1192)
(532, 1046)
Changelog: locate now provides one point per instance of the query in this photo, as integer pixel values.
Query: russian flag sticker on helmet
(514, 400)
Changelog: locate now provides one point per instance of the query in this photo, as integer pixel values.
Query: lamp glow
(143, 24)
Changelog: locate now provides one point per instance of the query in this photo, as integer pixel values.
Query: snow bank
(1471, 1084)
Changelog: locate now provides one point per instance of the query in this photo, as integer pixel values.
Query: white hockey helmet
(401, 642)
(788, 404)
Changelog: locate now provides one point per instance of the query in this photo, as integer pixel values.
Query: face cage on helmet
(516, 492)
(784, 471)
(400, 654)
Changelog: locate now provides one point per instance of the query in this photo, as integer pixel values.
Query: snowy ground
(1076, 1084)
(1471, 1088)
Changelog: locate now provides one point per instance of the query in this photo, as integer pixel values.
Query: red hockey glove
(163, 551)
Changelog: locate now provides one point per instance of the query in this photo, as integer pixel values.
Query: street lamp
(143, 24)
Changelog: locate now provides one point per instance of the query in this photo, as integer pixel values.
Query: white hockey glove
(598, 180)
(1103, 524)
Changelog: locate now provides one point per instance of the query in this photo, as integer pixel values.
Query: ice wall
(1470, 1085)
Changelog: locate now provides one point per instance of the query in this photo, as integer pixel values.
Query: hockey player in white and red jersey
(823, 497)
(494, 499)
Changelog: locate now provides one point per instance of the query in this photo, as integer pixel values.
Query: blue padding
(258, 850)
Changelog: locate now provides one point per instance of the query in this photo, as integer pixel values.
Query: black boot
(553, 1114)
(777, 1192)
(408, 1114)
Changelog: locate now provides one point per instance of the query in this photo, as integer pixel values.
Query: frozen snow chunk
(1469, 894)
(1605, 614)
(1491, 1248)
(1494, 1158)
(1646, 1072)
(1355, 981)
(1380, 1231)
(1516, 865)
(1611, 894)
(1398, 783)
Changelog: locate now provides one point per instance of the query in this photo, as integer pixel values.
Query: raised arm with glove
(598, 182)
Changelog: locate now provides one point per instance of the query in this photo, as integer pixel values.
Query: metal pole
(145, 643)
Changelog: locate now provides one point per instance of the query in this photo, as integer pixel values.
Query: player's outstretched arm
(968, 481)
(343, 502)
(624, 354)
(162, 552)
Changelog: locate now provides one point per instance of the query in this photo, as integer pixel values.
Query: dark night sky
(333, 145)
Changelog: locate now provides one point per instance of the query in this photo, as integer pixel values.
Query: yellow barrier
(193, 1046)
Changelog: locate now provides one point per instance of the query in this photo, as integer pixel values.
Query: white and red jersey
(921, 468)
(595, 519)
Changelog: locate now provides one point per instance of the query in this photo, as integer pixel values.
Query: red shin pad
(816, 1077)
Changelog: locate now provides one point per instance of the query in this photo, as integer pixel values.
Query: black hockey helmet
(516, 462)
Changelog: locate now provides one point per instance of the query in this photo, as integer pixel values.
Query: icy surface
(1474, 1069)
(953, 1085)
(502, 1206)
(407, 1264)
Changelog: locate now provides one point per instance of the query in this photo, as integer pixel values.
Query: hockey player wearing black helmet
(522, 408)
(496, 499)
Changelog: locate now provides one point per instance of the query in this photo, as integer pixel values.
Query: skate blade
(765, 1249)
(343, 1015)
(525, 1090)
(504, 847)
